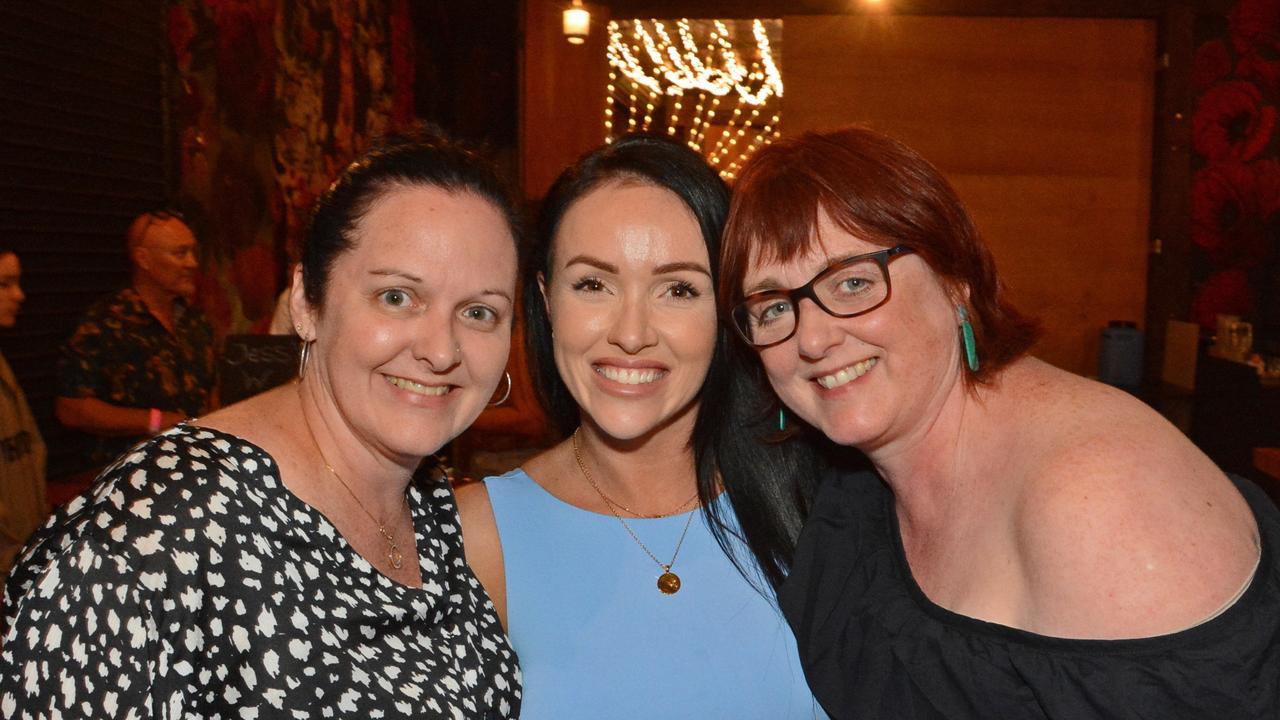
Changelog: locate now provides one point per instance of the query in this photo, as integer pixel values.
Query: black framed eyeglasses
(846, 288)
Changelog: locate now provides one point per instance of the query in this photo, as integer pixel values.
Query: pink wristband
(154, 420)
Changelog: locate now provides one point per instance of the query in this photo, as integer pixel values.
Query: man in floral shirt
(142, 359)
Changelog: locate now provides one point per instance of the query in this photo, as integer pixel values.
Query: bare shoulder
(481, 542)
(1124, 528)
(475, 510)
(256, 417)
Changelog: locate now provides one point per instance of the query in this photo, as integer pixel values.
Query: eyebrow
(678, 266)
(593, 262)
(499, 293)
(771, 284)
(765, 285)
(384, 272)
(660, 270)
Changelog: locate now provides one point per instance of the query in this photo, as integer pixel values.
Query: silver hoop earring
(304, 357)
(506, 394)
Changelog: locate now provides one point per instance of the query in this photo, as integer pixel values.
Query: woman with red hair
(1027, 543)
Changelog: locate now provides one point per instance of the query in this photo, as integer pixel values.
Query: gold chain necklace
(645, 516)
(668, 582)
(394, 555)
(615, 504)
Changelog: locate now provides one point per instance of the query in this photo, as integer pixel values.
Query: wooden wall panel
(1042, 124)
(562, 93)
(562, 89)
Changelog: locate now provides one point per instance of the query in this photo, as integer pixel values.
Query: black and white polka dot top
(188, 582)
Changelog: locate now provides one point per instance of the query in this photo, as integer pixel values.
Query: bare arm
(1133, 537)
(481, 543)
(98, 417)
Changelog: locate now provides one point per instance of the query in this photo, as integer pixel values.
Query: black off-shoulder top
(874, 646)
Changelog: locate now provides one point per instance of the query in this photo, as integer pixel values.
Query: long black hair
(648, 159)
(730, 435)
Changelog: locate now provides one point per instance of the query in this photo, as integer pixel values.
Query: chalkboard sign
(251, 364)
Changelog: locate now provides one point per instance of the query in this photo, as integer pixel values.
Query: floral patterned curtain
(1235, 201)
(271, 99)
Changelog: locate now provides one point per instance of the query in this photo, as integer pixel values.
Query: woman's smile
(630, 375)
(413, 386)
(630, 294)
(847, 374)
(420, 307)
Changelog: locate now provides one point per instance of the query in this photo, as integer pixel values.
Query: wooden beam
(1169, 268)
(976, 8)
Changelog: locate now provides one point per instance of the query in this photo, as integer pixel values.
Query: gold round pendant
(669, 583)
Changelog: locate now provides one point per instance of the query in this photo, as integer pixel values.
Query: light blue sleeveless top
(596, 639)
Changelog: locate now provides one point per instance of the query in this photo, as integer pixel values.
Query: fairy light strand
(704, 89)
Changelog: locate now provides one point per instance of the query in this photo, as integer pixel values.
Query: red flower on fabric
(239, 200)
(254, 273)
(402, 68)
(190, 101)
(1254, 23)
(1231, 122)
(1224, 293)
(1263, 70)
(182, 30)
(213, 299)
(1211, 64)
(1223, 200)
(1267, 180)
(246, 61)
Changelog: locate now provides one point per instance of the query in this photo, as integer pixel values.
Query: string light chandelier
(709, 83)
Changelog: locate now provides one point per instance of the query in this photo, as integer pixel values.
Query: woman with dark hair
(23, 501)
(612, 584)
(1030, 544)
(282, 557)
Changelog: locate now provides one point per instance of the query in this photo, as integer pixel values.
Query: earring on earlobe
(304, 357)
(505, 395)
(782, 419)
(966, 339)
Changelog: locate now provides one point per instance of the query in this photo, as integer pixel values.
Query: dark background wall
(465, 69)
(83, 149)
(111, 109)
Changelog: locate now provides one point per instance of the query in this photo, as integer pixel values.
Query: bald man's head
(163, 252)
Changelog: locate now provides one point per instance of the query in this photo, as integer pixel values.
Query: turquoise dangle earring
(966, 337)
(782, 419)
